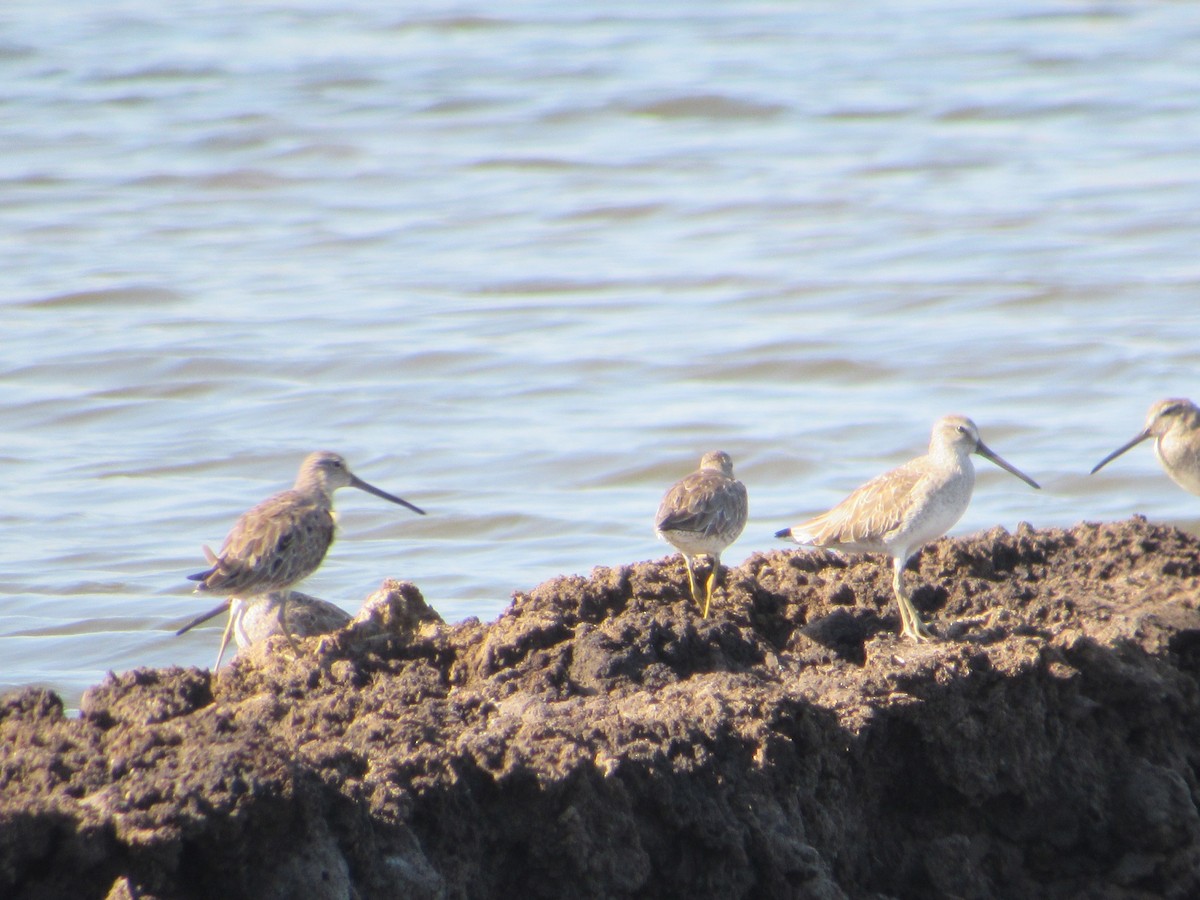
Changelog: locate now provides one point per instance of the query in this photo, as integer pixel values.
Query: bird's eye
(962, 429)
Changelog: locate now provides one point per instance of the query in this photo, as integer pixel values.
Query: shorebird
(253, 621)
(703, 514)
(899, 511)
(1175, 426)
(283, 540)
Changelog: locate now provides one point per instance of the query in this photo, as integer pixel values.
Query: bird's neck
(314, 488)
(951, 456)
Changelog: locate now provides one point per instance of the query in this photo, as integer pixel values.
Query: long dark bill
(984, 451)
(1128, 445)
(357, 482)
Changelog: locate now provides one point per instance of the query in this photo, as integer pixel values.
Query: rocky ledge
(601, 740)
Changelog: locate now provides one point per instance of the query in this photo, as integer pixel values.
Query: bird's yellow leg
(911, 625)
(225, 637)
(687, 561)
(898, 590)
(712, 580)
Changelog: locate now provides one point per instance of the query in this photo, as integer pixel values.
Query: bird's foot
(918, 631)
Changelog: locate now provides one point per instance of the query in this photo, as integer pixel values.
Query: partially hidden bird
(253, 621)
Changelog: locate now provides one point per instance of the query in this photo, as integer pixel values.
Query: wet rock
(601, 740)
(146, 696)
(396, 607)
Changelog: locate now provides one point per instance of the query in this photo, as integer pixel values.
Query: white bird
(899, 511)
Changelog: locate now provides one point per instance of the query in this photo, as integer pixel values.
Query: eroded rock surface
(601, 740)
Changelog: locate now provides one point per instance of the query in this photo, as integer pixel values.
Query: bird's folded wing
(869, 514)
(704, 503)
(265, 545)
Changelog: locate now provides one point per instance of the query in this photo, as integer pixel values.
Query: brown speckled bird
(283, 540)
(703, 514)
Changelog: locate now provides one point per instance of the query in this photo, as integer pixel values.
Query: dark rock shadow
(601, 740)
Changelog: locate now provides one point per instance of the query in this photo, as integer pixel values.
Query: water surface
(522, 265)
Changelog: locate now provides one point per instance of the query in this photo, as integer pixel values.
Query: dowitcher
(703, 514)
(283, 540)
(899, 511)
(253, 621)
(1175, 426)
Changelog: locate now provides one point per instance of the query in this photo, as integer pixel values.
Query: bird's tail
(215, 563)
(800, 534)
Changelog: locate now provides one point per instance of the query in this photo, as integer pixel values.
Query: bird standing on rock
(899, 511)
(284, 539)
(1175, 426)
(703, 514)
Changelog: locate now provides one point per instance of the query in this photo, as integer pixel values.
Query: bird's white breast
(1180, 459)
(943, 500)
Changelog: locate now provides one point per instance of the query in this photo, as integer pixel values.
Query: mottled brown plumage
(273, 545)
(703, 514)
(284, 539)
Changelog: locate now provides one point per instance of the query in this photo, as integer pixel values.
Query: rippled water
(523, 264)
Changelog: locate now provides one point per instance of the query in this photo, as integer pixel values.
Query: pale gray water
(522, 264)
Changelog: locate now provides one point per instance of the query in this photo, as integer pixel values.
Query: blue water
(522, 265)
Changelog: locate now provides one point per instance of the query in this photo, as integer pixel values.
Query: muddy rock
(600, 739)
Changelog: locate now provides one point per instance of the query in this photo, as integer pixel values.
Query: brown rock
(601, 740)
